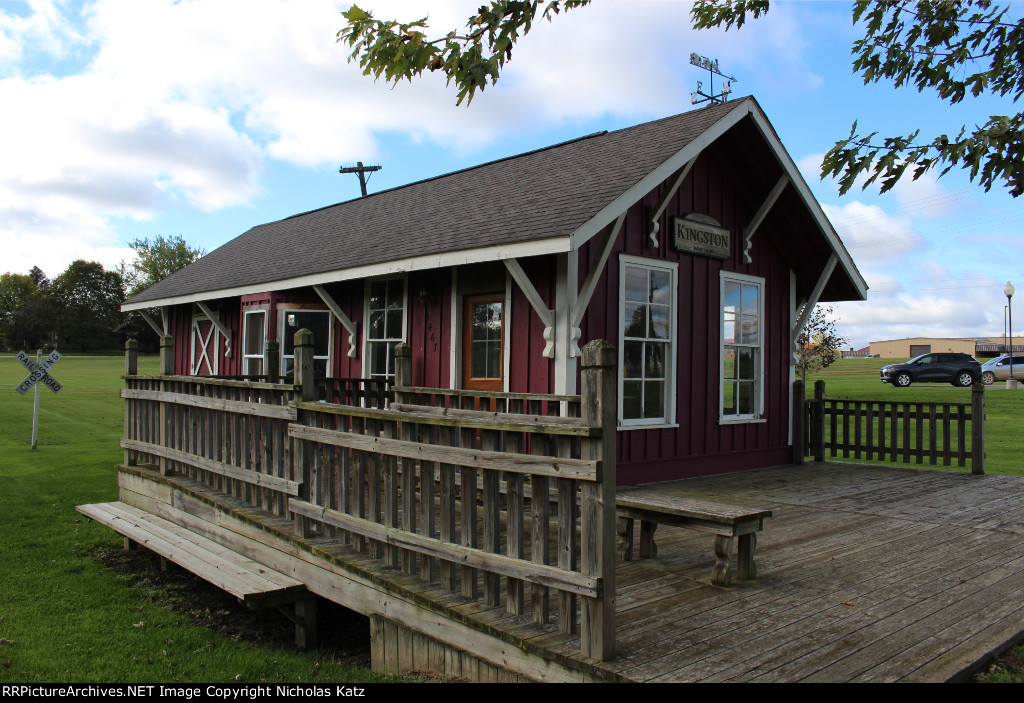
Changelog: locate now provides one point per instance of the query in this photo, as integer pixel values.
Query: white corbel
(663, 203)
(813, 299)
(762, 212)
(547, 317)
(152, 323)
(164, 319)
(224, 331)
(342, 318)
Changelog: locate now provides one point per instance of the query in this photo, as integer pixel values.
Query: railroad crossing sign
(37, 376)
(38, 372)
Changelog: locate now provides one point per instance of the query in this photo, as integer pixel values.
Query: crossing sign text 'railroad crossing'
(37, 376)
(38, 372)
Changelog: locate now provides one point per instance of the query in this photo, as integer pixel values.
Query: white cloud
(871, 235)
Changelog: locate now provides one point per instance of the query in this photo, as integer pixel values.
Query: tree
(819, 345)
(156, 260)
(26, 319)
(956, 48)
(88, 301)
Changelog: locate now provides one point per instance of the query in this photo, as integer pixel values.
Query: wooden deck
(867, 574)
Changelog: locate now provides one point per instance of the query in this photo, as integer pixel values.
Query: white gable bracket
(547, 317)
(342, 317)
(590, 285)
(152, 323)
(762, 212)
(663, 203)
(225, 332)
(815, 296)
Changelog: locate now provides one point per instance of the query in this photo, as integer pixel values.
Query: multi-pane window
(647, 316)
(385, 326)
(254, 339)
(742, 348)
(316, 321)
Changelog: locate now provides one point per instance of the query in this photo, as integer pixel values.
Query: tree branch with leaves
(959, 49)
(819, 344)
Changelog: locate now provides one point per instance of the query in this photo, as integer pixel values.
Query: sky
(126, 119)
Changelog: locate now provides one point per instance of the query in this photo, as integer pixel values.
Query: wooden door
(483, 342)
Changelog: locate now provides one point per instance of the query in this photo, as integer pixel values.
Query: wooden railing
(509, 501)
(893, 432)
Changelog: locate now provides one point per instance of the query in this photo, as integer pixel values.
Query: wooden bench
(254, 584)
(726, 522)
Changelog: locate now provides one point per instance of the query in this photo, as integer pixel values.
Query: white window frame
(196, 362)
(247, 359)
(369, 340)
(757, 415)
(669, 417)
(282, 320)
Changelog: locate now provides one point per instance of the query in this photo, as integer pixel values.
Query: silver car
(998, 369)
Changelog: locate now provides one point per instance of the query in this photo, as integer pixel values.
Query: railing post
(818, 422)
(272, 361)
(597, 511)
(303, 376)
(166, 369)
(403, 370)
(799, 423)
(977, 429)
(131, 368)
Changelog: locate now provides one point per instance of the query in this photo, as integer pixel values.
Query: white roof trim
(667, 169)
(552, 245)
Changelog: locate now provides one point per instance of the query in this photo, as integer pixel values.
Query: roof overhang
(553, 245)
(744, 108)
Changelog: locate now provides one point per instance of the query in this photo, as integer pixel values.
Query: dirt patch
(344, 635)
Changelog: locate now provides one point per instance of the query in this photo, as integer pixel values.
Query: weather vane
(712, 66)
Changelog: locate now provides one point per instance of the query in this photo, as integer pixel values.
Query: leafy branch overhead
(961, 50)
(397, 50)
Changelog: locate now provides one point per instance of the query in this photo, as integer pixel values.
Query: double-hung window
(316, 321)
(254, 339)
(742, 370)
(385, 328)
(647, 339)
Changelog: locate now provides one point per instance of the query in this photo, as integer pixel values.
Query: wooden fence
(888, 431)
(504, 498)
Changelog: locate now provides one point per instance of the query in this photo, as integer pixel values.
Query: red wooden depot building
(691, 243)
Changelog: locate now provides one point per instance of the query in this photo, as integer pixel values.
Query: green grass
(64, 615)
(857, 379)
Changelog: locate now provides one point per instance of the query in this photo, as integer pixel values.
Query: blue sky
(125, 119)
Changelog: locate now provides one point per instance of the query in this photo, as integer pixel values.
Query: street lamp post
(1011, 382)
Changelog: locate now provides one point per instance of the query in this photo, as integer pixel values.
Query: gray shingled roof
(531, 197)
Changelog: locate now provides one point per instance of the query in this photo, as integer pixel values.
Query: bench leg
(746, 568)
(624, 544)
(721, 575)
(648, 549)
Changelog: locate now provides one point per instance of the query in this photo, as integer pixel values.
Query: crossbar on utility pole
(360, 171)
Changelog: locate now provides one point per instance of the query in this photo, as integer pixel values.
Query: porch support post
(813, 300)
(160, 331)
(342, 318)
(798, 423)
(303, 376)
(272, 361)
(597, 507)
(978, 428)
(225, 332)
(166, 418)
(566, 334)
(762, 212)
(546, 316)
(131, 368)
(663, 203)
(164, 318)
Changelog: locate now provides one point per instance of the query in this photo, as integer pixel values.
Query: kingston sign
(695, 235)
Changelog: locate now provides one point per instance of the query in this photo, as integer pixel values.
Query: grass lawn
(1004, 409)
(65, 615)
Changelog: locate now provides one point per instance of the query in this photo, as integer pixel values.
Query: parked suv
(998, 369)
(958, 369)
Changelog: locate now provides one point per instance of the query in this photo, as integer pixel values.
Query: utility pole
(361, 171)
